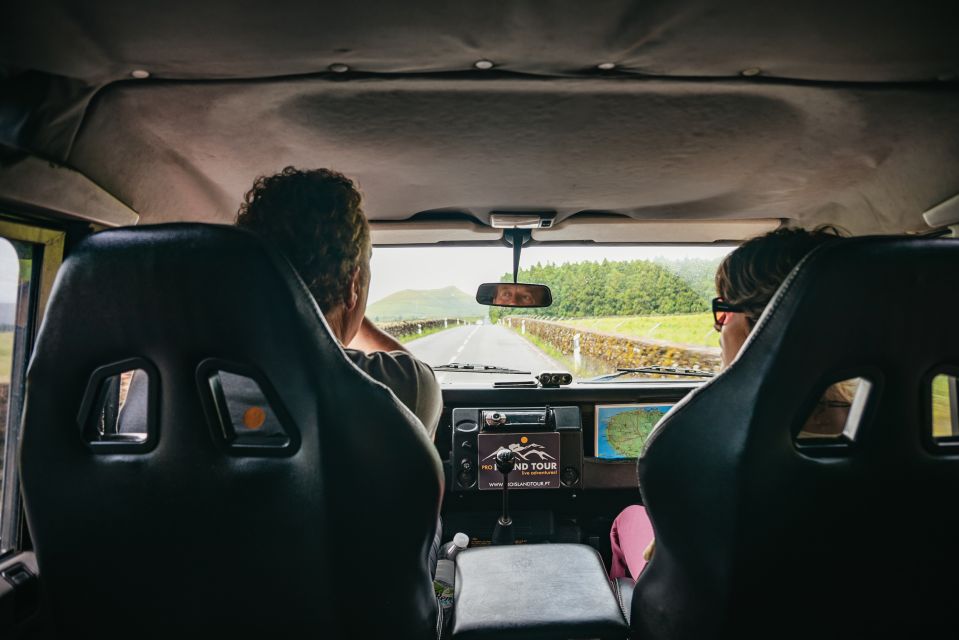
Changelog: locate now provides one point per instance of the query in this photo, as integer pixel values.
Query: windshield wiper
(666, 371)
(465, 367)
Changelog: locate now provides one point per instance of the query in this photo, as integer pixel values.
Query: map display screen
(622, 429)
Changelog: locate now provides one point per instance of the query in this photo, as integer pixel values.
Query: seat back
(326, 533)
(760, 535)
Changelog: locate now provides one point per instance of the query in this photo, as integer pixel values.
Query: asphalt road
(481, 344)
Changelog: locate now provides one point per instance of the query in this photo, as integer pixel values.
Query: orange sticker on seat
(254, 417)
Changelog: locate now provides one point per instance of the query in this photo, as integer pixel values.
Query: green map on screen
(622, 430)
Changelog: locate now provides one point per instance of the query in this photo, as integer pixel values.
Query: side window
(945, 409)
(29, 257)
(9, 292)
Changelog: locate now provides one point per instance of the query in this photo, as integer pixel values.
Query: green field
(6, 356)
(941, 416)
(694, 329)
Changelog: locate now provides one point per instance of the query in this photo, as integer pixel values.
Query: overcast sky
(396, 269)
(436, 267)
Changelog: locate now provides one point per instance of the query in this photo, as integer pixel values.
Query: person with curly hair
(746, 281)
(315, 219)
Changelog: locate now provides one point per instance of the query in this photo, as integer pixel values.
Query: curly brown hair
(750, 276)
(314, 218)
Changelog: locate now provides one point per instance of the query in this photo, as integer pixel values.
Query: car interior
(501, 132)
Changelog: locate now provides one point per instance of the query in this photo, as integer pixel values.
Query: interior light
(750, 72)
(606, 66)
(483, 64)
(500, 220)
(140, 74)
(339, 67)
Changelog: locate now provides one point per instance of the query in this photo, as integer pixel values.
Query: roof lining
(532, 144)
(818, 64)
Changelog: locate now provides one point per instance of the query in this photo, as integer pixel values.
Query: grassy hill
(410, 304)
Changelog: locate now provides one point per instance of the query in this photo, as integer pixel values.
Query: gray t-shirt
(410, 379)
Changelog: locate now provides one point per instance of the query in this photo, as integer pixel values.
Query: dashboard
(575, 451)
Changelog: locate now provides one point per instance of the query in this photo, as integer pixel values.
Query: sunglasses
(722, 311)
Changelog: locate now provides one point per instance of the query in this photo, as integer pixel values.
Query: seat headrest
(755, 531)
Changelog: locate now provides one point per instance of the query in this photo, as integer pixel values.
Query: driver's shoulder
(411, 380)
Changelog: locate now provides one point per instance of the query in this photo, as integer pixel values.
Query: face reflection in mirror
(514, 295)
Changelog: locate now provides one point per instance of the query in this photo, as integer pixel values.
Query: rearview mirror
(504, 294)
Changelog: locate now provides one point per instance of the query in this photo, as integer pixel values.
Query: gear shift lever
(503, 532)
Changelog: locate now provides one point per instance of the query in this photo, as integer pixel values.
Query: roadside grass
(587, 367)
(941, 412)
(6, 356)
(694, 329)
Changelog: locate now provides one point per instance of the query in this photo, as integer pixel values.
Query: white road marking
(463, 346)
(549, 364)
(441, 377)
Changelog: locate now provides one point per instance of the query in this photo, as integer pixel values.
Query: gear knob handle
(505, 461)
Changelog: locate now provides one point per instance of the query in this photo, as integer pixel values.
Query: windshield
(613, 308)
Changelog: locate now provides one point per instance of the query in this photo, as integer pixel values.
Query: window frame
(49, 244)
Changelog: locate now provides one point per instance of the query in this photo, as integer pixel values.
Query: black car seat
(760, 535)
(312, 518)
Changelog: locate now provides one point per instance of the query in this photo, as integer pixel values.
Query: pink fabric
(631, 534)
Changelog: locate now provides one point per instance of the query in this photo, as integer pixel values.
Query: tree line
(635, 287)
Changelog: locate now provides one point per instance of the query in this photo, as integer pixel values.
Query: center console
(543, 465)
(575, 471)
(534, 591)
(547, 443)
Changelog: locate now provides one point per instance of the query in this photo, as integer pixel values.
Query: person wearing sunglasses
(747, 279)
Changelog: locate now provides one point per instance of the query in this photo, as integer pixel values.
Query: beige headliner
(809, 111)
(870, 159)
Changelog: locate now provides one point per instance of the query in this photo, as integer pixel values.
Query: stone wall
(411, 327)
(618, 350)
